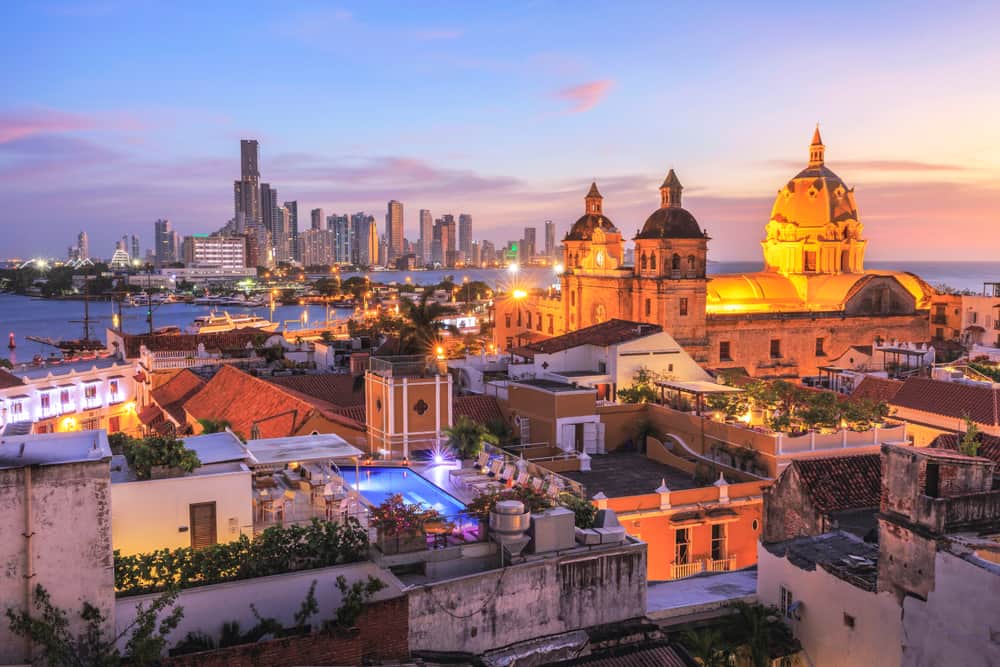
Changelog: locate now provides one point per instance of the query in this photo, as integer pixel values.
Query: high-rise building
(426, 237)
(135, 251)
(528, 245)
(292, 230)
(316, 247)
(550, 239)
(465, 236)
(361, 224)
(373, 243)
(247, 190)
(394, 229)
(488, 253)
(224, 252)
(476, 258)
(165, 238)
(281, 235)
(317, 220)
(439, 245)
(268, 202)
(82, 246)
(340, 225)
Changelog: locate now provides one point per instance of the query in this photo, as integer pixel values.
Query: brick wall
(383, 634)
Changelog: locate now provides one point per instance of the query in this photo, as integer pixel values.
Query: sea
(23, 316)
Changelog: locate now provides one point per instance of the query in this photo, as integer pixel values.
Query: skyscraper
(317, 218)
(394, 229)
(292, 230)
(247, 190)
(82, 246)
(373, 245)
(341, 227)
(268, 202)
(136, 254)
(465, 236)
(316, 247)
(280, 235)
(426, 237)
(165, 250)
(528, 245)
(550, 239)
(361, 224)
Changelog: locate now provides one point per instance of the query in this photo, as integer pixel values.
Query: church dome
(583, 229)
(671, 221)
(816, 198)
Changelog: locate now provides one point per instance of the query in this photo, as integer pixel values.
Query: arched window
(675, 262)
(652, 262)
(642, 262)
(691, 263)
(529, 319)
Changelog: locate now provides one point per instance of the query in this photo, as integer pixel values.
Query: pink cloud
(24, 123)
(585, 96)
(878, 165)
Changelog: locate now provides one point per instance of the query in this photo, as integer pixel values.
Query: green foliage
(466, 437)
(308, 608)
(708, 647)
(193, 642)
(143, 454)
(118, 442)
(275, 551)
(969, 444)
(643, 429)
(396, 517)
(5, 363)
(419, 334)
(213, 425)
(643, 389)
(48, 628)
(584, 511)
(328, 286)
(534, 501)
(992, 372)
(500, 430)
(355, 597)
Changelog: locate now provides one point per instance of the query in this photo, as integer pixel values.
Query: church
(811, 302)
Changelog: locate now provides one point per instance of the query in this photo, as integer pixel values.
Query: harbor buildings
(224, 252)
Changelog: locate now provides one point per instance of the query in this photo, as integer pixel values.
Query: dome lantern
(816, 149)
(670, 191)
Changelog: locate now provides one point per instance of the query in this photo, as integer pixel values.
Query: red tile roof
(636, 655)
(482, 409)
(172, 394)
(229, 340)
(336, 388)
(8, 380)
(951, 399)
(244, 400)
(877, 389)
(607, 333)
(989, 445)
(838, 483)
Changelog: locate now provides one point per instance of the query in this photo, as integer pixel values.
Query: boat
(215, 323)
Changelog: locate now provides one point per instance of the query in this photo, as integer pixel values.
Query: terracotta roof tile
(482, 409)
(244, 400)
(357, 413)
(607, 333)
(229, 340)
(336, 388)
(989, 445)
(172, 394)
(951, 399)
(877, 389)
(8, 380)
(837, 483)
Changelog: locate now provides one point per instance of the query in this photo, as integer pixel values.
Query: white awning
(320, 447)
(697, 386)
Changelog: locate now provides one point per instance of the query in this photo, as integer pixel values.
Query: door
(203, 525)
(590, 437)
(567, 438)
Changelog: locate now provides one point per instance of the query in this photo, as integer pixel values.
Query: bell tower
(670, 191)
(816, 149)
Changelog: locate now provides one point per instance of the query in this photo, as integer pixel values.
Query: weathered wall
(279, 596)
(70, 544)
(788, 511)
(620, 422)
(876, 637)
(148, 515)
(381, 635)
(501, 607)
(957, 625)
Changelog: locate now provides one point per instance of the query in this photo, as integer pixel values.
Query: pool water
(377, 484)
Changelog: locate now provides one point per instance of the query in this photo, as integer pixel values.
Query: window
(529, 319)
(649, 307)
(810, 261)
(682, 546)
(572, 298)
(785, 602)
(510, 342)
(675, 262)
(848, 620)
(551, 327)
(776, 348)
(724, 354)
(755, 525)
(90, 391)
(691, 263)
(602, 367)
(506, 319)
(718, 541)
(932, 480)
(114, 424)
(64, 396)
(17, 408)
(642, 262)
(538, 321)
(684, 306)
(652, 262)
(519, 318)
(939, 333)
(819, 348)
(975, 317)
(46, 401)
(113, 389)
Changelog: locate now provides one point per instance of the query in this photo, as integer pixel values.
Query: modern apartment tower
(340, 225)
(246, 191)
(426, 242)
(394, 230)
(528, 244)
(268, 202)
(465, 236)
(165, 237)
(361, 224)
(82, 246)
(293, 229)
(316, 218)
(550, 239)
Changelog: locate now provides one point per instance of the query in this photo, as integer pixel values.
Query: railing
(684, 570)
(720, 565)
(434, 533)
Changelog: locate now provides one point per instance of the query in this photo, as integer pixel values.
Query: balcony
(685, 570)
(939, 319)
(720, 565)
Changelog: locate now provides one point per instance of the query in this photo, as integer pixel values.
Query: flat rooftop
(842, 554)
(621, 474)
(216, 447)
(281, 451)
(549, 385)
(33, 372)
(53, 448)
(121, 472)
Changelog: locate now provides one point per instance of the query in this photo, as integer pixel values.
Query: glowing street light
(559, 269)
(513, 267)
(520, 294)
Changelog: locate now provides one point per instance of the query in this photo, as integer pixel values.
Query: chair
(522, 479)
(482, 460)
(491, 477)
(536, 483)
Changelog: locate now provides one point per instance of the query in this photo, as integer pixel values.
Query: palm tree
(707, 647)
(419, 334)
(466, 437)
(213, 425)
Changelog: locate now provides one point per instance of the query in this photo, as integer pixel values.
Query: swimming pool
(376, 484)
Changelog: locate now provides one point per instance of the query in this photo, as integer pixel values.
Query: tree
(49, 629)
(466, 437)
(707, 647)
(420, 333)
(643, 389)
(145, 454)
(213, 425)
(969, 444)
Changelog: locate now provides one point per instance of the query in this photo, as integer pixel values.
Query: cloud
(21, 123)
(878, 165)
(585, 96)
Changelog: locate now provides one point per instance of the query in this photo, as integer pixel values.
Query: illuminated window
(649, 307)
(819, 348)
(718, 541)
(776, 348)
(684, 306)
(682, 546)
(46, 401)
(113, 389)
(64, 396)
(724, 354)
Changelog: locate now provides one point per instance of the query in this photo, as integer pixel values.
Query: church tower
(670, 256)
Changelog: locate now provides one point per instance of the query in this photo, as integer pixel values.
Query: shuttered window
(203, 525)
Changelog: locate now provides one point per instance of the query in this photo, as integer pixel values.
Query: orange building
(810, 303)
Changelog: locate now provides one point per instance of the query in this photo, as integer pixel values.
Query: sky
(118, 113)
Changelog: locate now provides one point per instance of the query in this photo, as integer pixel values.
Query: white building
(222, 252)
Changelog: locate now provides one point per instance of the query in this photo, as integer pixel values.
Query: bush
(275, 551)
(145, 454)
(534, 501)
(584, 511)
(395, 516)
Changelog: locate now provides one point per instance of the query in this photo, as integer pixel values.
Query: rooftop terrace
(629, 474)
(551, 385)
(53, 448)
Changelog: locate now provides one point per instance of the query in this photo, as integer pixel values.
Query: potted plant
(401, 525)
(466, 437)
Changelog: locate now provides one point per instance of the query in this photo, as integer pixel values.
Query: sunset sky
(117, 113)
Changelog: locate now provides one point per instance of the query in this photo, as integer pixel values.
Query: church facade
(810, 303)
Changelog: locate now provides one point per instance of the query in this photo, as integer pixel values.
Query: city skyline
(95, 143)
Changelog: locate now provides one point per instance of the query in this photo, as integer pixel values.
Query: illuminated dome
(671, 221)
(593, 219)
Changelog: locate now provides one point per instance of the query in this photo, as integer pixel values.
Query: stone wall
(788, 511)
(535, 599)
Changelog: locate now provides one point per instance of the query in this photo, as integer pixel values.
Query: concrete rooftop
(53, 448)
(629, 474)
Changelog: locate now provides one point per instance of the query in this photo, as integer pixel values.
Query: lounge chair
(537, 483)
(478, 469)
(522, 479)
(492, 477)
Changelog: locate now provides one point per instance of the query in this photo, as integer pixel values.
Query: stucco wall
(501, 607)
(148, 515)
(71, 542)
(959, 624)
(206, 608)
(826, 638)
